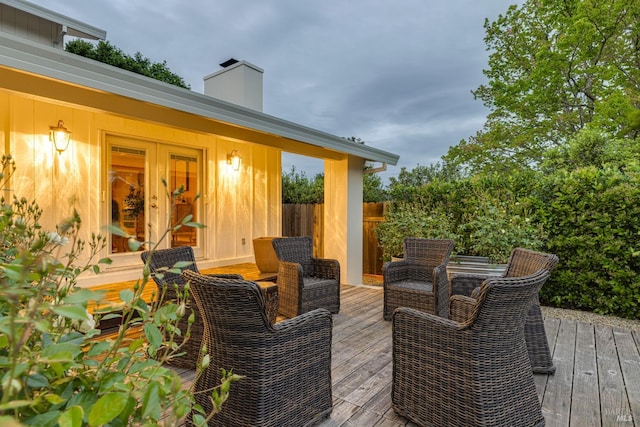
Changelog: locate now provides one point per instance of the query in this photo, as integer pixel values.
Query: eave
(74, 27)
(50, 73)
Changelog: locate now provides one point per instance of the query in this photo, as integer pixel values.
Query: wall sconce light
(233, 159)
(60, 136)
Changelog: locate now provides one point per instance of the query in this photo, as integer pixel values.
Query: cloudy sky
(397, 74)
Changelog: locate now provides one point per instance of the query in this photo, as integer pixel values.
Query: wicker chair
(162, 264)
(305, 282)
(475, 373)
(420, 280)
(521, 262)
(286, 367)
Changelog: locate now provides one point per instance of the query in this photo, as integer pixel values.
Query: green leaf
(127, 295)
(182, 264)
(72, 417)
(71, 312)
(13, 272)
(37, 380)
(14, 404)
(153, 334)
(61, 351)
(54, 399)
(151, 401)
(98, 348)
(107, 408)
(195, 225)
(46, 419)
(83, 296)
(115, 230)
(134, 245)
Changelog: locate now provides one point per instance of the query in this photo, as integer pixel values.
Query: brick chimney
(239, 82)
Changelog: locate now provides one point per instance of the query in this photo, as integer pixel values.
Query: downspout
(376, 170)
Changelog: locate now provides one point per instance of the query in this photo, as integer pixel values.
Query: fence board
(372, 215)
(308, 220)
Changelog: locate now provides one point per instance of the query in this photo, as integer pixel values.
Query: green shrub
(487, 215)
(592, 216)
(496, 227)
(298, 188)
(54, 369)
(407, 220)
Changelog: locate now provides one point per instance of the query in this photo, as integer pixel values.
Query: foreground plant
(54, 367)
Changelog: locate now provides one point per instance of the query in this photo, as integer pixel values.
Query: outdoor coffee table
(270, 292)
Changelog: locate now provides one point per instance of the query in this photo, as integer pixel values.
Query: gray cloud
(396, 74)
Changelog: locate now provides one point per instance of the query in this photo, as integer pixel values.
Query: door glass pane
(184, 173)
(126, 175)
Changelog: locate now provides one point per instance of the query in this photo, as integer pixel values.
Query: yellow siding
(243, 204)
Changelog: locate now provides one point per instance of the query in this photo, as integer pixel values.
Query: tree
(297, 188)
(107, 53)
(408, 184)
(555, 68)
(373, 190)
(590, 148)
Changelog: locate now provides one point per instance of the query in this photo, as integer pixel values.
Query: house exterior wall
(34, 28)
(237, 205)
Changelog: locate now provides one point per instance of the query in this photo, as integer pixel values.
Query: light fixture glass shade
(233, 159)
(60, 136)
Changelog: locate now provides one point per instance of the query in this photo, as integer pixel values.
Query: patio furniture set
(464, 352)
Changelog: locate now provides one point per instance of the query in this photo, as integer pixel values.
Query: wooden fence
(305, 220)
(308, 220)
(372, 215)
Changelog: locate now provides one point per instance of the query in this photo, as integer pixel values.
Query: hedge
(592, 217)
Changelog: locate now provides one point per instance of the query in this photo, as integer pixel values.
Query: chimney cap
(229, 62)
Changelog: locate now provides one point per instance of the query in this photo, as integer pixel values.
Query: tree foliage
(486, 214)
(590, 148)
(298, 188)
(107, 53)
(592, 216)
(373, 190)
(554, 69)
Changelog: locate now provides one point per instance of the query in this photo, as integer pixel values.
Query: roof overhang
(50, 73)
(74, 27)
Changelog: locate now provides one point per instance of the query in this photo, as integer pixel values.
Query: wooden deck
(597, 382)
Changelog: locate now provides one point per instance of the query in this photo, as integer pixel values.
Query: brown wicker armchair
(165, 274)
(475, 373)
(420, 280)
(305, 282)
(521, 262)
(286, 367)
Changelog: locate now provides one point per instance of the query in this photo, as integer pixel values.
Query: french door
(140, 205)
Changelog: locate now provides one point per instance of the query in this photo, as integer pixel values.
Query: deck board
(613, 396)
(629, 358)
(597, 379)
(585, 380)
(556, 402)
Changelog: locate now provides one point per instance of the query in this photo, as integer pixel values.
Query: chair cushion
(412, 285)
(317, 282)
